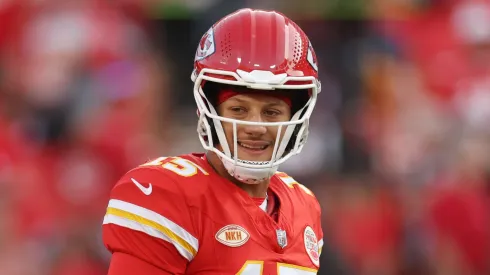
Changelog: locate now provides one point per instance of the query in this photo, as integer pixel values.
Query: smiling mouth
(253, 147)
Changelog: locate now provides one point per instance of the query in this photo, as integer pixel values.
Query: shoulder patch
(311, 245)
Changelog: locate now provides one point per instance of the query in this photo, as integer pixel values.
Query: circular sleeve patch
(311, 245)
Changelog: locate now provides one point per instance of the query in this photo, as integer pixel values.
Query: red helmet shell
(251, 40)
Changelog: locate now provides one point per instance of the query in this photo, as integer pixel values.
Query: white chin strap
(249, 175)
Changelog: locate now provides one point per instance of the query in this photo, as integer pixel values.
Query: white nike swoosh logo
(146, 190)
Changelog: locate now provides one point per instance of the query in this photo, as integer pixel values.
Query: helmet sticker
(311, 57)
(206, 46)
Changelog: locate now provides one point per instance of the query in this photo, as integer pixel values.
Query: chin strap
(249, 175)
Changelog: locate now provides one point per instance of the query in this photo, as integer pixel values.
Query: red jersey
(179, 215)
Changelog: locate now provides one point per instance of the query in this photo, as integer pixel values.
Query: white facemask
(252, 172)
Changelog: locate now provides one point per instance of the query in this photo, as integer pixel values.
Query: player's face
(255, 143)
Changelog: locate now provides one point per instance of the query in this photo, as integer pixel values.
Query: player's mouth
(254, 147)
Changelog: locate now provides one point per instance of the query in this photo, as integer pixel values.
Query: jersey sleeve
(318, 226)
(148, 217)
(125, 264)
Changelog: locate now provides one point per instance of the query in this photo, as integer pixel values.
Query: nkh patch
(206, 46)
(311, 245)
(232, 235)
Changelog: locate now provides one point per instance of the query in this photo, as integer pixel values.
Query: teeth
(252, 147)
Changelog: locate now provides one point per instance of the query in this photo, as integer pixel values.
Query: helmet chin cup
(249, 175)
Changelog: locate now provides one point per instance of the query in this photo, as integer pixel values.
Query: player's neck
(254, 190)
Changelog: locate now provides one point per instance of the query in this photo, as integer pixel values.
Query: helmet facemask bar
(235, 147)
(276, 145)
(298, 122)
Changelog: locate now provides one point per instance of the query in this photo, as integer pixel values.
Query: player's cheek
(228, 129)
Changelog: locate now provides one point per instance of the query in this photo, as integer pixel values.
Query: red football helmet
(260, 50)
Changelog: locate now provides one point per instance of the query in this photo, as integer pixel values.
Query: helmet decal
(206, 45)
(311, 57)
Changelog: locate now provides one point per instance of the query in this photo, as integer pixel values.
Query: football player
(229, 211)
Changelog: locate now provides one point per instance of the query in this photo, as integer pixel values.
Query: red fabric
(125, 264)
(271, 209)
(272, 205)
(258, 201)
(226, 94)
(202, 203)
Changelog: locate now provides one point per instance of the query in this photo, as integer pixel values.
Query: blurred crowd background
(398, 155)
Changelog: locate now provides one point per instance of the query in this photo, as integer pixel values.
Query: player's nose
(255, 129)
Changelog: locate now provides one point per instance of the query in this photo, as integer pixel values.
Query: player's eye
(272, 112)
(238, 110)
